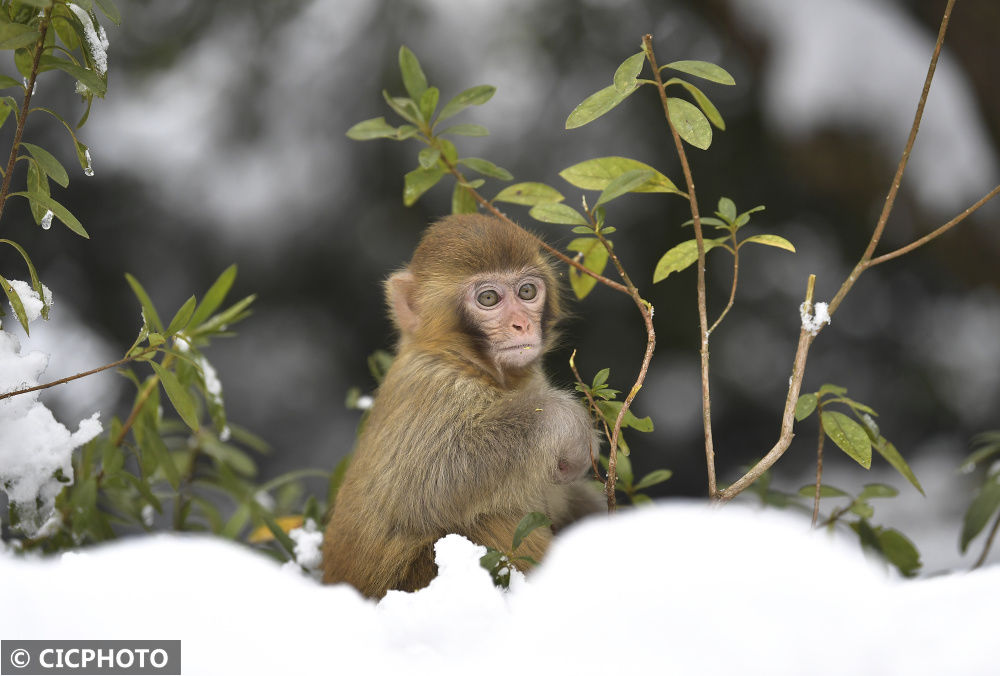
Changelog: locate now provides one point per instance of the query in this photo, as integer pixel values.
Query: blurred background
(222, 140)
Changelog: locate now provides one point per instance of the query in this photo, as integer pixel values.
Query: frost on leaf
(97, 44)
(814, 322)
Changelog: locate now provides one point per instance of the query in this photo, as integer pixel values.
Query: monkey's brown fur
(455, 441)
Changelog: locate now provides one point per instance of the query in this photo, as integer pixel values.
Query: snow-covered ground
(675, 588)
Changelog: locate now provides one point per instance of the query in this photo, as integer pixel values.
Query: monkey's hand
(572, 436)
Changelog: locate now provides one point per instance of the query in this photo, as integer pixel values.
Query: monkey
(466, 434)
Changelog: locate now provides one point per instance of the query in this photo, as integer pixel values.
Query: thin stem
(43, 27)
(989, 543)
(593, 408)
(732, 292)
(937, 233)
(67, 379)
(819, 464)
(706, 405)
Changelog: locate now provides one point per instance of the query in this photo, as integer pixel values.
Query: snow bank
(674, 588)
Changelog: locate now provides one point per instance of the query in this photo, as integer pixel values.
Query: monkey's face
(505, 310)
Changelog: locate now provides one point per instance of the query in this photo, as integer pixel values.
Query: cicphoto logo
(90, 657)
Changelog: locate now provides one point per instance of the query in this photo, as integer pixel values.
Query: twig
(43, 27)
(593, 407)
(140, 401)
(819, 464)
(67, 379)
(989, 543)
(732, 292)
(937, 233)
(706, 406)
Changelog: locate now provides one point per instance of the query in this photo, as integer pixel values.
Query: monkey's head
(479, 283)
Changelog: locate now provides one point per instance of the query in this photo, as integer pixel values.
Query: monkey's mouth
(520, 347)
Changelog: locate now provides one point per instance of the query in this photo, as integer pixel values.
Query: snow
(30, 300)
(34, 446)
(815, 321)
(675, 588)
(97, 44)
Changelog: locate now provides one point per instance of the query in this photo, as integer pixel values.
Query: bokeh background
(222, 140)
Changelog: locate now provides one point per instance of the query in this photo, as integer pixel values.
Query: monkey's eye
(488, 298)
(527, 291)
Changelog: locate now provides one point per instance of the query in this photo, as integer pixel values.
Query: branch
(805, 337)
(67, 379)
(43, 27)
(819, 463)
(732, 292)
(937, 233)
(706, 406)
(593, 407)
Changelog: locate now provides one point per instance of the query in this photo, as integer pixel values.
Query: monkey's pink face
(506, 310)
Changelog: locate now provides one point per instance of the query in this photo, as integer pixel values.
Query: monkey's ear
(399, 294)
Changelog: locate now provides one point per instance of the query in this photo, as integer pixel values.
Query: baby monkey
(465, 435)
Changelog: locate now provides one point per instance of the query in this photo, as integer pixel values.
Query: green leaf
(849, 436)
(831, 389)
(230, 456)
(419, 181)
(428, 157)
(744, 218)
(466, 130)
(179, 396)
(529, 523)
(657, 476)
(988, 441)
(6, 82)
(337, 478)
(403, 107)
(474, 96)
(640, 499)
(893, 457)
(486, 168)
(48, 163)
(89, 78)
(702, 69)
(825, 491)
(182, 316)
(151, 442)
(690, 123)
(770, 240)
(371, 129)
(805, 405)
(41, 4)
(550, 212)
(413, 76)
(15, 303)
(529, 194)
(877, 491)
(598, 173)
(983, 507)
(727, 209)
(110, 11)
(61, 212)
(706, 105)
(36, 283)
(428, 102)
(152, 318)
(601, 378)
(610, 410)
(595, 259)
(462, 201)
(16, 35)
(214, 296)
(628, 71)
(862, 509)
(624, 183)
(682, 256)
(286, 542)
(598, 104)
(900, 551)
